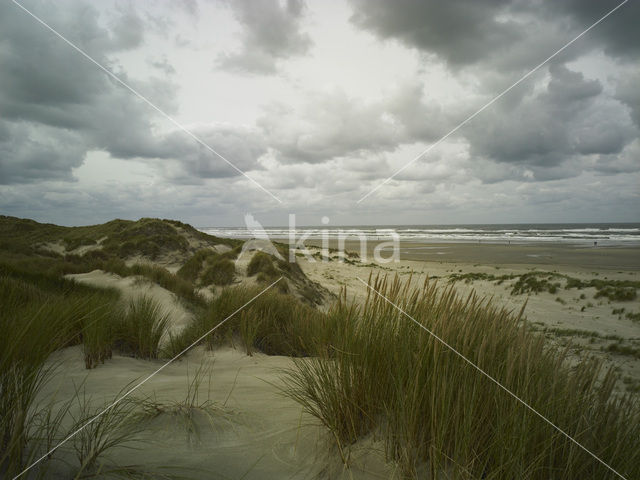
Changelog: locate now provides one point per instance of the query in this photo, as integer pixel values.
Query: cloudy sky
(319, 102)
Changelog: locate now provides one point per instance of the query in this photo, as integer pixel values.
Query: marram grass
(273, 323)
(141, 327)
(40, 314)
(441, 418)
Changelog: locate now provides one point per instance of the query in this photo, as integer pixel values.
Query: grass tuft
(274, 323)
(192, 268)
(262, 263)
(219, 272)
(142, 326)
(40, 314)
(382, 374)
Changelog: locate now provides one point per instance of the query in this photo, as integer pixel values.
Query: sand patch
(254, 431)
(135, 286)
(221, 248)
(60, 248)
(55, 247)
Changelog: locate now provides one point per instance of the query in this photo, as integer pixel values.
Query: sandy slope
(132, 287)
(254, 432)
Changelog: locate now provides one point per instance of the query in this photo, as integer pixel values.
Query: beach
(554, 255)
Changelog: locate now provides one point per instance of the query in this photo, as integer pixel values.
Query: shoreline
(577, 258)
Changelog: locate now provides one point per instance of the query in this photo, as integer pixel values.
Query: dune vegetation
(208, 267)
(41, 314)
(273, 323)
(390, 368)
(382, 374)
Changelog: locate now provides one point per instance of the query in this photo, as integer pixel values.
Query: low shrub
(231, 254)
(282, 286)
(535, 282)
(193, 266)
(163, 277)
(262, 263)
(621, 349)
(617, 294)
(633, 316)
(219, 272)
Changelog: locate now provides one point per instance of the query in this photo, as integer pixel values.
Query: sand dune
(241, 424)
(132, 287)
(254, 432)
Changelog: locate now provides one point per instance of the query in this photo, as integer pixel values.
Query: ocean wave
(607, 234)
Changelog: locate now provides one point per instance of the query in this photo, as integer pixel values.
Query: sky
(318, 103)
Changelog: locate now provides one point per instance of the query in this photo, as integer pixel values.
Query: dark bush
(220, 272)
(261, 263)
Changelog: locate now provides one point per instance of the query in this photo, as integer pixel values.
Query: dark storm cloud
(570, 126)
(567, 119)
(468, 32)
(71, 204)
(628, 161)
(56, 105)
(36, 76)
(619, 34)
(461, 32)
(242, 146)
(47, 90)
(270, 33)
(28, 154)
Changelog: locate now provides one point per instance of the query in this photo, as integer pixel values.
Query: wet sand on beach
(577, 257)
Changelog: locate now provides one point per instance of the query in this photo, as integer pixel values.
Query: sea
(605, 234)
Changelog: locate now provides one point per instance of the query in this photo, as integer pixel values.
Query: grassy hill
(149, 247)
(148, 237)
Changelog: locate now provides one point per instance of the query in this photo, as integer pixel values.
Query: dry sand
(254, 432)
